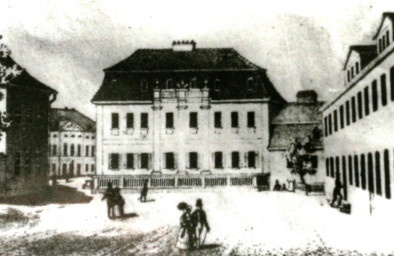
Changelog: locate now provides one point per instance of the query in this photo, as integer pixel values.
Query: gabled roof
(367, 53)
(196, 59)
(57, 115)
(385, 15)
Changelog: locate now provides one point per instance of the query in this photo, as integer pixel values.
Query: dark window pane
(130, 120)
(332, 167)
(354, 117)
(325, 127)
(392, 83)
(115, 121)
(366, 100)
(363, 172)
(144, 120)
(386, 167)
(327, 167)
(130, 161)
(170, 161)
(251, 122)
(235, 159)
(329, 124)
(341, 117)
(378, 174)
(170, 120)
(144, 161)
(360, 105)
(234, 119)
(114, 161)
(347, 113)
(218, 160)
(335, 120)
(218, 119)
(383, 89)
(374, 95)
(252, 159)
(371, 180)
(193, 160)
(350, 167)
(193, 122)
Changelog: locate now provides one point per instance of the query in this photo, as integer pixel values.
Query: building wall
(370, 133)
(158, 140)
(25, 163)
(66, 163)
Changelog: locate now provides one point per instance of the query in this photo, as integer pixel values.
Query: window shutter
(150, 161)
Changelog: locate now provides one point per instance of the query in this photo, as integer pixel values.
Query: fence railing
(180, 181)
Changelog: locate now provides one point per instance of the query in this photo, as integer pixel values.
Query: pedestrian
(283, 187)
(144, 192)
(276, 186)
(200, 223)
(119, 201)
(337, 192)
(109, 195)
(183, 241)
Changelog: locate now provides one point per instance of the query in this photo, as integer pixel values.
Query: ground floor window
(169, 161)
(218, 158)
(130, 161)
(144, 161)
(86, 168)
(235, 160)
(92, 168)
(114, 161)
(252, 159)
(193, 160)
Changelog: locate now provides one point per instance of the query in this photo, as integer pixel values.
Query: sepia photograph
(197, 128)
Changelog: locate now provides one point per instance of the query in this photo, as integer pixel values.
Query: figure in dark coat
(277, 186)
(109, 195)
(200, 222)
(337, 191)
(144, 192)
(119, 201)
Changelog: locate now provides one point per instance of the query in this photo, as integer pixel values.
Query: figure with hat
(185, 237)
(109, 195)
(200, 222)
(144, 192)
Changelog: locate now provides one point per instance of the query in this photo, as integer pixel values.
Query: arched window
(65, 148)
(378, 175)
(386, 162)
(371, 185)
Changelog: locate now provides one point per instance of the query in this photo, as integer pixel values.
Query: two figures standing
(114, 198)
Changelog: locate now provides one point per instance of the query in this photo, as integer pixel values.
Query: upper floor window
(115, 121)
(357, 67)
(347, 113)
(380, 45)
(234, 120)
(387, 38)
(169, 84)
(218, 119)
(329, 124)
(366, 100)
(92, 151)
(86, 150)
(193, 120)
(72, 150)
(54, 150)
(216, 85)
(360, 105)
(354, 117)
(335, 120)
(251, 120)
(348, 76)
(341, 117)
(352, 70)
(144, 160)
(170, 120)
(249, 83)
(383, 89)
(374, 95)
(79, 150)
(65, 149)
(144, 85)
(170, 161)
(144, 120)
(252, 159)
(130, 161)
(129, 120)
(325, 127)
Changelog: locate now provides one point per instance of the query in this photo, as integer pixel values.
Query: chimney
(307, 96)
(185, 46)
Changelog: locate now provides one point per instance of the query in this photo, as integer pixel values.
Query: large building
(184, 116)
(72, 143)
(358, 124)
(25, 102)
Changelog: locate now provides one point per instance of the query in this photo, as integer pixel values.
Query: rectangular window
(54, 150)
(350, 167)
(347, 113)
(356, 169)
(65, 149)
(54, 168)
(335, 120)
(86, 150)
(360, 105)
(387, 37)
(79, 150)
(144, 161)
(170, 120)
(130, 161)
(352, 72)
(218, 160)
(92, 167)
(251, 121)
(218, 119)
(348, 76)
(193, 160)
(374, 95)
(363, 172)
(327, 167)
(86, 168)
(357, 67)
(378, 174)
(170, 161)
(115, 121)
(386, 163)
(251, 159)
(193, 120)
(366, 100)
(337, 172)
(383, 89)
(392, 83)
(325, 127)
(332, 167)
(235, 160)
(144, 120)
(380, 45)
(129, 120)
(114, 161)
(371, 180)
(329, 124)
(354, 117)
(72, 150)
(92, 151)
(234, 119)
(341, 117)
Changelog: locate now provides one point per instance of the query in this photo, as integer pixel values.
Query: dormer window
(352, 71)
(144, 85)
(387, 38)
(348, 75)
(169, 84)
(380, 45)
(249, 84)
(216, 85)
(357, 68)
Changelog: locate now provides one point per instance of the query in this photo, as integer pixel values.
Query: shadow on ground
(50, 195)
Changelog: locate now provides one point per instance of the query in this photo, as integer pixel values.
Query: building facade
(72, 143)
(184, 116)
(358, 122)
(25, 102)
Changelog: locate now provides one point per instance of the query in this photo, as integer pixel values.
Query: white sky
(302, 44)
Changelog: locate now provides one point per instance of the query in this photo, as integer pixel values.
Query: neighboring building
(24, 145)
(72, 143)
(358, 124)
(193, 116)
(297, 122)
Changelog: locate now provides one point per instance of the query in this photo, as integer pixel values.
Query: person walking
(119, 201)
(184, 236)
(109, 195)
(337, 191)
(144, 192)
(277, 186)
(200, 222)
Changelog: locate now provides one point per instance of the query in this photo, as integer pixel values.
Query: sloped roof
(296, 121)
(295, 112)
(367, 54)
(65, 114)
(196, 59)
(385, 15)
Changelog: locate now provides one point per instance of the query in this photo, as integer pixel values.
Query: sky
(302, 44)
